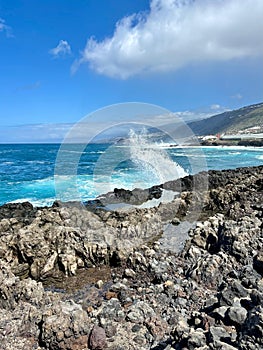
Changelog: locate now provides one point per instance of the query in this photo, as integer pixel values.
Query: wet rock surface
(82, 277)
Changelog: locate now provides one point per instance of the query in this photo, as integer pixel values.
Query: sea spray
(154, 161)
(135, 162)
(34, 182)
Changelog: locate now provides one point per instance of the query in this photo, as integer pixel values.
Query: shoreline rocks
(206, 295)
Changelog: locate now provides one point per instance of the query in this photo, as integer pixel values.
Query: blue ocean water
(27, 170)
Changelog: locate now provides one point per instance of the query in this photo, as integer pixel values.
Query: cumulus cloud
(62, 49)
(5, 28)
(177, 33)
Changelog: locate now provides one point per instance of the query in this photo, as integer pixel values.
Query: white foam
(152, 159)
(35, 161)
(249, 148)
(36, 202)
(7, 163)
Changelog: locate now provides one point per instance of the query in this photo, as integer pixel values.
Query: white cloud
(35, 133)
(2, 25)
(202, 113)
(176, 33)
(62, 49)
(5, 28)
(215, 107)
(237, 96)
(100, 127)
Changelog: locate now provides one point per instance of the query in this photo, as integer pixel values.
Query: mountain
(231, 122)
(238, 121)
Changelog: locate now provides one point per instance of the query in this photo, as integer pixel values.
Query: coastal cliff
(82, 276)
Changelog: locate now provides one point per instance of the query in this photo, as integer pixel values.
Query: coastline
(244, 143)
(214, 146)
(134, 289)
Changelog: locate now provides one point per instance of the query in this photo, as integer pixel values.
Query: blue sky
(62, 59)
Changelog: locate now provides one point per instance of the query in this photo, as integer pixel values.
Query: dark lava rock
(237, 314)
(207, 295)
(258, 262)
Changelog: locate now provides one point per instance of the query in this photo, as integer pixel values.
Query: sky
(61, 60)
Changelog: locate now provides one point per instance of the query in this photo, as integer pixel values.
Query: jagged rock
(237, 314)
(97, 339)
(13, 290)
(220, 312)
(253, 328)
(232, 291)
(211, 303)
(129, 273)
(223, 346)
(181, 331)
(219, 333)
(207, 295)
(65, 326)
(196, 339)
(258, 263)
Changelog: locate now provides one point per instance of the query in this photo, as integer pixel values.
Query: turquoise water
(27, 170)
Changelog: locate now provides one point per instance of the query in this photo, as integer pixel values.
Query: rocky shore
(185, 274)
(244, 142)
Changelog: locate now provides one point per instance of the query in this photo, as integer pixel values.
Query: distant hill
(230, 122)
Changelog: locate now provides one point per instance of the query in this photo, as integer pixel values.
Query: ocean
(42, 173)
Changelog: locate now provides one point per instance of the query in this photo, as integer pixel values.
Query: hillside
(231, 122)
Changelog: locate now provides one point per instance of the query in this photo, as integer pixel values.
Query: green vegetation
(250, 120)
(231, 122)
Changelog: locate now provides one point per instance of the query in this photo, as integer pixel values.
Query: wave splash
(155, 163)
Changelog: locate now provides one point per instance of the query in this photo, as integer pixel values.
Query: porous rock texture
(206, 295)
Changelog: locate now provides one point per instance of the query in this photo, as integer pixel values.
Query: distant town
(248, 137)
